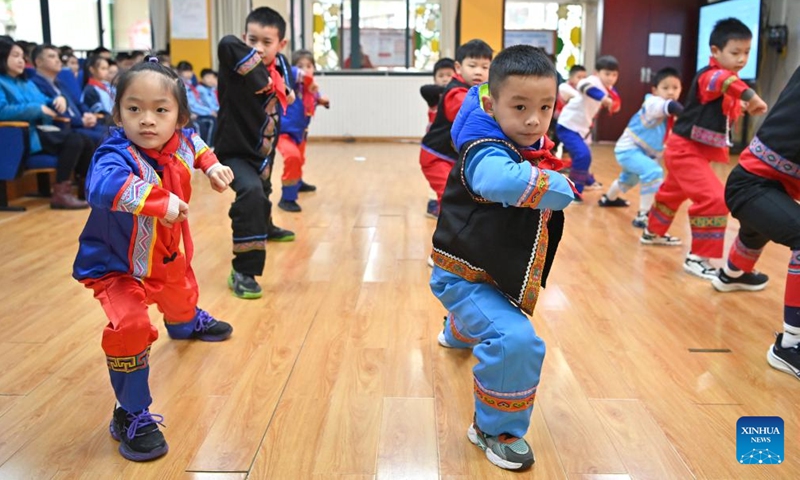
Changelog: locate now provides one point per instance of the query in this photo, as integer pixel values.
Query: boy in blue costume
(501, 205)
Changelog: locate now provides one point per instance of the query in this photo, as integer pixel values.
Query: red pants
(690, 176)
(294, 157)
(125, 299)
(436, 171)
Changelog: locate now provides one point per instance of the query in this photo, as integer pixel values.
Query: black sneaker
(278, 234)
(289, 206)
(244, 286)
(747, 281)
(209, 329)
(784, 359)
(640, 221)
(307, 187)
(138, 434)
(617, 202)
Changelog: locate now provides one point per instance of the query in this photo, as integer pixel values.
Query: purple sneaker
(138, 434)
(206, 328)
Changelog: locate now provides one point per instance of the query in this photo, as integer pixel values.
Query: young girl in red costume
(136, 248)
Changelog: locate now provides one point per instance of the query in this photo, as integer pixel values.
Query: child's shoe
(203, 327)
(433, 209)
(784, 359)
(442, 340)
(503, 450)
(617, 202)
(138, 434)
(640, 221)
(430, 261)
(278, 234)
(244, 286)
(289, 206)
(648, 238)
(748, 281)
(307, 187)
(699, 266)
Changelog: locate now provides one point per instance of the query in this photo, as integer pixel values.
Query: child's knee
(521, 344)
(129, 336)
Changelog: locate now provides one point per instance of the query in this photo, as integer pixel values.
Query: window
(393, 34)
(127, 25)
(565, 19)
(65, 16)
(21, 19)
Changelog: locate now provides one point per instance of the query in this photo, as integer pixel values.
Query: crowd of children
(486, 155)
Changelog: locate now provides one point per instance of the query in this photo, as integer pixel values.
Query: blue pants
(636, 167)
(581, 156)
(509, 352)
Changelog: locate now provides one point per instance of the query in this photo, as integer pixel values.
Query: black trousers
(250, 215)
(764, 210)
(73, 149)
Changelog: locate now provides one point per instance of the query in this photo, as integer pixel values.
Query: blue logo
(759, 440)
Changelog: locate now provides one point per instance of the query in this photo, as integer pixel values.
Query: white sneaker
(648, 238)
(699, 267)
(430, 261)
(443, 341)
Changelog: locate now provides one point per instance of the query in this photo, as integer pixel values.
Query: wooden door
(626, 29)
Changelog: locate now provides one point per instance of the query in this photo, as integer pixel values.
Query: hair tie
(153, 59)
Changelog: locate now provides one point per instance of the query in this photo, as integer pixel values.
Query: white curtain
(447, 37)
(159, 19)
(227, 18)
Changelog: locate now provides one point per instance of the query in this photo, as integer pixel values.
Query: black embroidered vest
(482, 241)
(702, 122)
(438, 136)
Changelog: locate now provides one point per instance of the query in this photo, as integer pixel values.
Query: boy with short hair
(641, 145)
(575, 122)
(495, 242)
(253, 92)
(208, 88)
(701, 135)
(437, 155)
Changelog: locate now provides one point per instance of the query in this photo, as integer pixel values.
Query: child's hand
(291, 97)
(313, 88)
(220, 178)
(183, 211)
(607, 102)
(756, 106)
(324, 101)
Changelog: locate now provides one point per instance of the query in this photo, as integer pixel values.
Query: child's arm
(452, 102)
(431, 93)
(112, 185)
(567, 91)
(218, 174)
(716, 82)
(491, 173)
(237, 56)
(29, 112)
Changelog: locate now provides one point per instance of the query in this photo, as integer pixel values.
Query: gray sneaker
(505, 451)
(244, 286)
(699, 267)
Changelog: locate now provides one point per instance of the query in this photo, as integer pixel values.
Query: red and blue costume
(131, 255)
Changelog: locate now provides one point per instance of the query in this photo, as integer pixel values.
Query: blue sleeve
(491, 173)
(674, 107)
(28, 112)
(595, 93)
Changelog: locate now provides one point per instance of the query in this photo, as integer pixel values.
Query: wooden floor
(336, 373)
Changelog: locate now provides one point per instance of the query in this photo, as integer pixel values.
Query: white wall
(371, 106)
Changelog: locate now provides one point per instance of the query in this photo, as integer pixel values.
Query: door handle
(642, 74)
(649, 75)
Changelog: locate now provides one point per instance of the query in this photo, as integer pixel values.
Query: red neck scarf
(542, 157)
(731, 107)
(97, 83)
(171, 180)
(278, 85)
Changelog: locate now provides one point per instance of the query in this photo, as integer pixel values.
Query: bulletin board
(544, 39)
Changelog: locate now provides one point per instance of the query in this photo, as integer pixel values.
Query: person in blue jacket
(498, 230)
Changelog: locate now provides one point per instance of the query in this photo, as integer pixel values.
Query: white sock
(791, 336)
(731, 272)
(646, 201)
(614, 191)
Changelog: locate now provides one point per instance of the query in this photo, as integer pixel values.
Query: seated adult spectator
(202, 115)
(136, 57)
(48, 65)
(124, 61)
(97, 95)
(20, 100)
(101, 52)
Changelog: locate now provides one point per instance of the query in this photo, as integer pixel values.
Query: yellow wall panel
(483, 19)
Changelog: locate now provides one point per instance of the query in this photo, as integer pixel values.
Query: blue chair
(15, 159)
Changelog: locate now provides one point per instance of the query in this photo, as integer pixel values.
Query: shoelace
(141, 420)
(204, 321)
